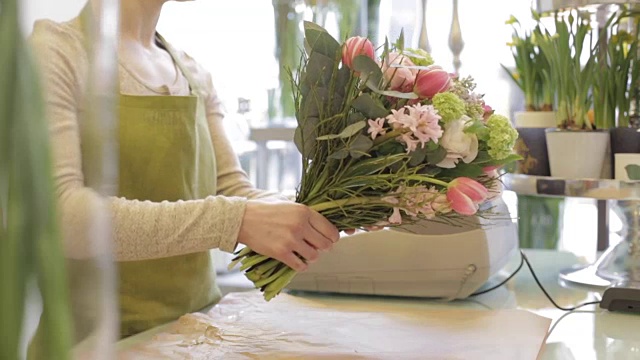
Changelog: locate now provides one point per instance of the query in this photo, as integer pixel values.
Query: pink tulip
(395, 71)
(432, 81)
(488, 111)
(355, 46)
(465, 195)
(491, 170)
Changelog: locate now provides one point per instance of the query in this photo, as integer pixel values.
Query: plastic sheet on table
(244, 326)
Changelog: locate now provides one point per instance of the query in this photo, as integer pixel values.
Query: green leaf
(305, 135)
(462, 169)
(309, 25)
(368, 69)
(320, 41)
(437, 155)
(391, 147)
(418, 156)
(400, 42)
(396, 94)
(633, 171)
(347, 132)
(317, 74)
(355, 117)
(360, 146)
(313, 104)
(373, 165)
(430, 170)
(339, 154)
(369, 107)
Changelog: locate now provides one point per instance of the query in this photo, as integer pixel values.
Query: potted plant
(576, 148)
(616, 87)
(539, 218)
(532, 75)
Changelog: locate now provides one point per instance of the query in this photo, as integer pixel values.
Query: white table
(588, 333)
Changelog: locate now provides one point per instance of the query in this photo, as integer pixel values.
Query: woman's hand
(284, 230)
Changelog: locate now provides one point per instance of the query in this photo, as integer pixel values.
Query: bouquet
(386, 141)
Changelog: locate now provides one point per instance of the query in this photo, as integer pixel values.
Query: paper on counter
(244, 326)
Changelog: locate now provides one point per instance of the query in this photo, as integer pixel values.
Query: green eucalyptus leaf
(462, 170)
(322, 42)
(319, 70)
(305, 135)
(309, 25)
(339, 154)
(355, 117)
(396, 94)
(313, 103)
(418, 156)
(369, 107)
(353, 129)
(368, 69)
(430, 170)
(391, 147)
(360, 146)
(342, 81)
(437, 155)
(373, 165)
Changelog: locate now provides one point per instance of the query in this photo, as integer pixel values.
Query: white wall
(58, 10)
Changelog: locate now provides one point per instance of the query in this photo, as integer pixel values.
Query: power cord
(524, 259)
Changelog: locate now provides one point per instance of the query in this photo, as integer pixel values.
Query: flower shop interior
(466, 173)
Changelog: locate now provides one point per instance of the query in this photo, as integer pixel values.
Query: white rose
(459, 145)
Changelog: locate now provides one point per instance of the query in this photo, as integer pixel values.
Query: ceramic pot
(535, 119)
(578, 154)
(532, 146)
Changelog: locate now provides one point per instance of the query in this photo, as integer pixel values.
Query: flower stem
(327, 205)
(390, 135)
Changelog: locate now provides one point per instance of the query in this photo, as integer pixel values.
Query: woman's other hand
(284, 230)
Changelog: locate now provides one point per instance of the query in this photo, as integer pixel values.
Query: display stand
(619, 263)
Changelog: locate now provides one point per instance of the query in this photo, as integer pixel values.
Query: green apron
(166, 154)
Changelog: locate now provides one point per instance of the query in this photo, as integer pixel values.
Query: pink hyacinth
(421, 123)
(376, 127)
(355, 46)
(465, 195)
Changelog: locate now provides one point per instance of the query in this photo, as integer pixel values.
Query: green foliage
(572, 80)
(29, 242)
(617, 71)
(532, 68)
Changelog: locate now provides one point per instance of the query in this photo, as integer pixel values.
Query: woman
(181, 189)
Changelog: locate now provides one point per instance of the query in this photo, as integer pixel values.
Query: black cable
(524, 259)
(503, 281)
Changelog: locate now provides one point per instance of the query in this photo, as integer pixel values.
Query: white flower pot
(535, 119)
(578, 154)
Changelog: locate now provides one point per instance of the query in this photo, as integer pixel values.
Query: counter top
(587, 333)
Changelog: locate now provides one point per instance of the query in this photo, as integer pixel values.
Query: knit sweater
(139, 229)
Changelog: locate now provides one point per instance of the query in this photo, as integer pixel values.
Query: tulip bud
(355, 46)
(464, 195)
(431, 81)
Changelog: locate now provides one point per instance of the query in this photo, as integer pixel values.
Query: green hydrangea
(421, 58)
(502, 137)
(450, 106)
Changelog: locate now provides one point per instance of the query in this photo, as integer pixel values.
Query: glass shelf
(620, 263)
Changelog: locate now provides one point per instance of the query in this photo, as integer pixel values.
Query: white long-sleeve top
(140, 229)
